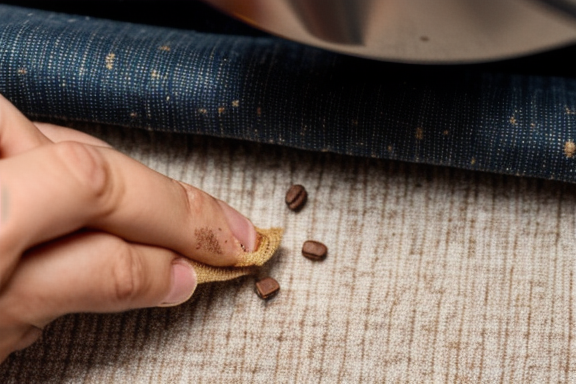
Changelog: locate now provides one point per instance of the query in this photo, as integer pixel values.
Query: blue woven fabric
(56, 66)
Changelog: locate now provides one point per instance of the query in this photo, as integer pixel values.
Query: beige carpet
(434, 275)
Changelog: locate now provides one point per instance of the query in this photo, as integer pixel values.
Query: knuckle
(194, 199)
(129, 280)
(87, 165)
(28, 337)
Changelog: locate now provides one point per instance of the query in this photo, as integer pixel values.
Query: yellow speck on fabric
(110, 60)
(569, 149)
(269, 242)
(419, 133)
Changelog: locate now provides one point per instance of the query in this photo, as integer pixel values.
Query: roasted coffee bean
(296, 197)
(267, 287)
(314, 250)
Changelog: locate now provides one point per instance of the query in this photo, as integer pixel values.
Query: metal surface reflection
(416, 31)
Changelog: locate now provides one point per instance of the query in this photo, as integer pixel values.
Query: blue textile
(57, 66)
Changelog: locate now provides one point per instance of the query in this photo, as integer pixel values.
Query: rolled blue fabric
(64, 67)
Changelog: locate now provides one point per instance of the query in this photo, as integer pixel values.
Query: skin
(85, 228)
(4, 201)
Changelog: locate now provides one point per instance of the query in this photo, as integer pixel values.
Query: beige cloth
(268, 243)
(433, 275)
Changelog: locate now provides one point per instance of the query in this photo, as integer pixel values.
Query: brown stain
(165, 48)
(569, 149)
(154, 74)
(221, 110)
(473, 161)
(110, 60)
(236, 103)
(445, 133)
(419, 133)
(569, 111)
(206, 240)
(513, 120)
(258, 111)
(202, 111)
(133, 114)
(22, 71)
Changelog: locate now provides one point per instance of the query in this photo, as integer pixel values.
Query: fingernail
(242, 229)
(183, 283)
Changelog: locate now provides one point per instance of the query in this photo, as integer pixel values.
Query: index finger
(57, 189)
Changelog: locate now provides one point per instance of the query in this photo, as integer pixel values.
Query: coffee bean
(296, 197)
(267, 287)
(314, 250)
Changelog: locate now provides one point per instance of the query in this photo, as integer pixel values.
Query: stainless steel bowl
(415, 31)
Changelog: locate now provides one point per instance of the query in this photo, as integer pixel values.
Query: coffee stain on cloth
(269, 242)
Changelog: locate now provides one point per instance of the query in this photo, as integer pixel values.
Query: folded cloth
(68, 68)
(268, 243)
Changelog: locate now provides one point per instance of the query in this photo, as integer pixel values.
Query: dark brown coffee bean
(296, 197)
(314, 250)
(267, 287)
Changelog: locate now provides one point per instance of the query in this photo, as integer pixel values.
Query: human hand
(84, 228)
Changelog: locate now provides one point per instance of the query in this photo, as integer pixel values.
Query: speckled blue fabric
(56, 66)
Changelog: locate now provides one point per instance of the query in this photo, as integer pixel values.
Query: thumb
(94, 272)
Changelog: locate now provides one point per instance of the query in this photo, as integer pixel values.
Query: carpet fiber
(434, 275)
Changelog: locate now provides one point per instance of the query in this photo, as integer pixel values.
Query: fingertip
(242, 228)
(28, 338)
(182, 284)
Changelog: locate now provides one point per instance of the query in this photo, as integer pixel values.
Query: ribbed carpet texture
(433, 275)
